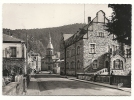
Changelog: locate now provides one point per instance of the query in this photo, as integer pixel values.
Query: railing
(103, 71)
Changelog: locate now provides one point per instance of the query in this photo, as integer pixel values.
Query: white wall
(19, 49)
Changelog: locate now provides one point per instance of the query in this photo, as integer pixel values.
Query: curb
(94, 83)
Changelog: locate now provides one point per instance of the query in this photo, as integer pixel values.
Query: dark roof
(77, 36)
(66, 36)
(7, 38)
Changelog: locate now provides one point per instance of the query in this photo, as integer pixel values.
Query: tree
(120, 23)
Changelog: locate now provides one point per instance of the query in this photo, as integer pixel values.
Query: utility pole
(84, 13)
(26, 55)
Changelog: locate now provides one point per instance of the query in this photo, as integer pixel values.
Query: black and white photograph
(66, 49)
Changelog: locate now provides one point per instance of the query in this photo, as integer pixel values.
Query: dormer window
(100, 34)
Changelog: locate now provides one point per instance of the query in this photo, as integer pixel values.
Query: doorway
(107, 65)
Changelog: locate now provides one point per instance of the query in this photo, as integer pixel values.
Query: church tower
(49, 54)
(49, 47)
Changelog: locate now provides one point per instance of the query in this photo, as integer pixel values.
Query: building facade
(93, 50)
(14, 54)
(34, 61)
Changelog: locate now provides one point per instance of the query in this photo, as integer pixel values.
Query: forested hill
(38, 38)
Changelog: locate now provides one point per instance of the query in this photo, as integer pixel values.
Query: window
(118, 64)
(92, 48)
(78, 65)
(72, 52)
(13, 51)
(94, 64)
(128, 53)
(72, 65)
(78, 50)
(100, 34)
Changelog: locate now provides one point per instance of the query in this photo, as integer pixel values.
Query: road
(54, 85)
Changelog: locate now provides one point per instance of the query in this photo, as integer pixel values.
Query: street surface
(47, 84)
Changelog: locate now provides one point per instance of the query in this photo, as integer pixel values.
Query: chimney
(89, 19)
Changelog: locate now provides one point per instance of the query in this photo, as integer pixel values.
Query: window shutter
(5, 52)
(17, 52)
(8, 52)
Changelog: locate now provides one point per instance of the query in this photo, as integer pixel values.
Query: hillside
(38, 38)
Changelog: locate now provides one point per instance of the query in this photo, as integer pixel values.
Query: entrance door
(107, 64)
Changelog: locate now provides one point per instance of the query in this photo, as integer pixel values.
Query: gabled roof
(77, 36)
(81, 32)
(11, 39)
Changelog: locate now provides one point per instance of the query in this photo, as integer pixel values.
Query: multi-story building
(14, 54)
(93, 50)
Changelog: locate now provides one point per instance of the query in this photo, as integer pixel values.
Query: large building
(93, 50)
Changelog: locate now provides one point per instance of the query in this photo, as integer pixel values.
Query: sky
(29, 16)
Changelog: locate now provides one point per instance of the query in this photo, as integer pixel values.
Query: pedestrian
(95, 76)
(111, 78)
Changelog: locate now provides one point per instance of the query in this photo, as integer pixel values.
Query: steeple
(50, 44)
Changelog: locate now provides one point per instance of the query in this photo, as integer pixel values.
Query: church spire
(50, 44)
(49, 38)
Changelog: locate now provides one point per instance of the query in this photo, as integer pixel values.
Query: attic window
(100, 34)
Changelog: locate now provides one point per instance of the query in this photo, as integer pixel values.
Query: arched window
(118, 64)
(121, 64)
(95, 64)
(72, 65)
(78, 64)
(78, 50)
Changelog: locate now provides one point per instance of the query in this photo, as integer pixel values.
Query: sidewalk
(33, 88)
(97, 83)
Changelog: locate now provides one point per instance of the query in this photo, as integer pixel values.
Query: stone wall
(15, 88)
(101, 46)
(72, 70)
(117, 79)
